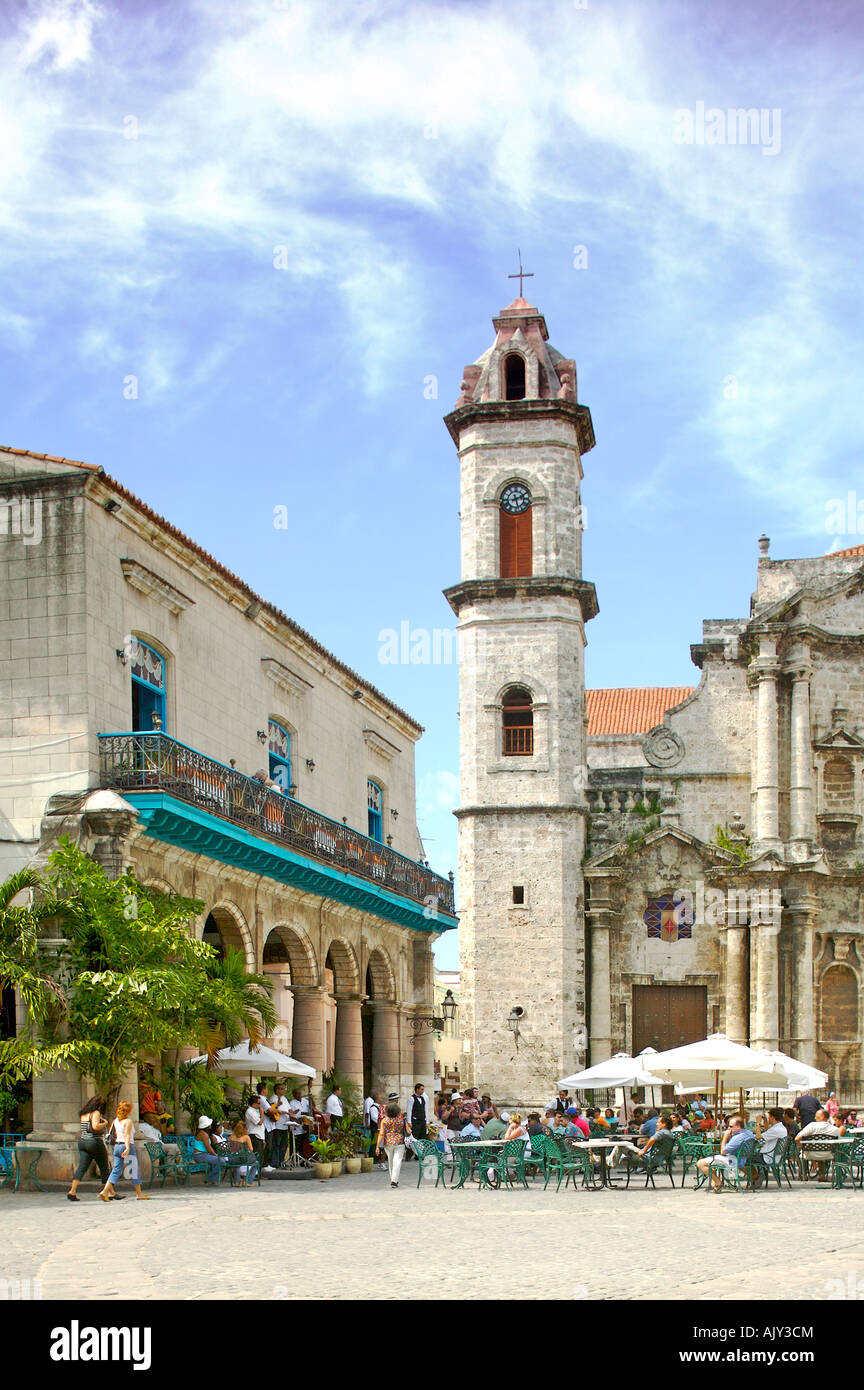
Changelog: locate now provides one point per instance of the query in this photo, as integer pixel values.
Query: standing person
(627, 1109)
(255, 1126)
(262, 1100)
(831, 1107)
(334, 1109)
(391, 1138)
(805, 1108)
(298, 1107)
(124, 1148)
(470, 1103)
(417, 1112)
(373, 1120)
(560, 1104)
(91, 1144)
(279, 1135)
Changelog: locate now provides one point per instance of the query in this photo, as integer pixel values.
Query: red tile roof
(97, 471)
(853, 550)
(631, 710)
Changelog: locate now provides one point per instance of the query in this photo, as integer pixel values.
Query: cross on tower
(522, 274)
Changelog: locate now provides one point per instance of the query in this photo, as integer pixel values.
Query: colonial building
(641, 867)
(143, 686)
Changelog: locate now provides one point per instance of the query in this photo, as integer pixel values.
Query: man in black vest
(418, 1112)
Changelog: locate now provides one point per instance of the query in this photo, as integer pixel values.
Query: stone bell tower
(522, 606)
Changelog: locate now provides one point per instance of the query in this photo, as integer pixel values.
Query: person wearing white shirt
(334, 1108)
(279, 1136)
(776, 1130)
(154, 1136)
(297, 1106)
(255, 1118)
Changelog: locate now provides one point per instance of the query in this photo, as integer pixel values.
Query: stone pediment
(669, 842)
(840, 739)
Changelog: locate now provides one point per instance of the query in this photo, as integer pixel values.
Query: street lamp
(515, 1016)
(449, 1007)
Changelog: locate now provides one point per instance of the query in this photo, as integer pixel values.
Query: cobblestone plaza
(355, 1238)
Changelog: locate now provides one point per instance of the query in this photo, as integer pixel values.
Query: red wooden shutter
(516, 552)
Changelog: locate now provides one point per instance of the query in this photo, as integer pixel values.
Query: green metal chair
(739, 1174)
(7, 1168)
(428, 1149)
(241, 1159)
(499, 1167)
(658, 1159)
(778, 1163)
(691, 1149)
(848, 1160)
(568, 1162)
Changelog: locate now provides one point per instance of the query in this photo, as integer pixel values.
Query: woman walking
(91, 1145)
(124, 1148)
(391, 1137)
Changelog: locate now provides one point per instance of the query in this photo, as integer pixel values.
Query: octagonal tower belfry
(522, 606)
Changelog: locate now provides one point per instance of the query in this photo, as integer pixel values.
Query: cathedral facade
(642, 867)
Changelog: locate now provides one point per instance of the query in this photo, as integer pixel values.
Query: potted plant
(325, 1152)
(367, 1157)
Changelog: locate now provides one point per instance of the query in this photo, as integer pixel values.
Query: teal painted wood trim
(176, 822)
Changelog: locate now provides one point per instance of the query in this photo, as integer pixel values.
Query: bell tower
(522, 606)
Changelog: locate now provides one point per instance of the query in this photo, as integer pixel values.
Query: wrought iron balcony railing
(157, 762)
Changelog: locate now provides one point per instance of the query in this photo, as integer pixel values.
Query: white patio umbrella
(620, 1070)
(800, 1076)
(246, 1060)
(715, 1062)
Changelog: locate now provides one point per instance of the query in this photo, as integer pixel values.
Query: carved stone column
(763, 678)
(737, 984)
(802, 827)
(764, 931)
(349, 1037)
(802, 914)
(385, 1046)
(600, 917)
(308, 1036)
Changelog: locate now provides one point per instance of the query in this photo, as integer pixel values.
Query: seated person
(648, 1128)
(471, 1129)
(218, 1136)
(495, 1127)
(707, 1124)
(577, 1119)
(536, 1126)
(792, 1125)
(596, 1117)
(820, 1127)
(203, 1150)
(515, 1128)
(770, 1134)
(240, 1143)
(155, 1136)
(736, 1135)
(611, 1119)
(637, 1160)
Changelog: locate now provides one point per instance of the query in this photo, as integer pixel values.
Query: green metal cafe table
(26, 1159)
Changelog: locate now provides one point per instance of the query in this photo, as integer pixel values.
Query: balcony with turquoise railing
(189, 800)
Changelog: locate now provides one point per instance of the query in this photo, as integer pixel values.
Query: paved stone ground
(427, 1243)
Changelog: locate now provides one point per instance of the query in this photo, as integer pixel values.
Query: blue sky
(155, 155)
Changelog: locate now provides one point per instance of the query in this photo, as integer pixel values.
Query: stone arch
(291, 946)
(341, 958)
(225, 926)
(380, 982)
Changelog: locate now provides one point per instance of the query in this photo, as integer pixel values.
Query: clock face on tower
(515, 499)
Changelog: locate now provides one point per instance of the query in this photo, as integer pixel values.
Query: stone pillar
(307, 1043)
(802, 1042)
(601, 991)
(349, 1038)
(765, 1031)
(802, 828)
(385, 1047)
(763, 676)
(737, 1025)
